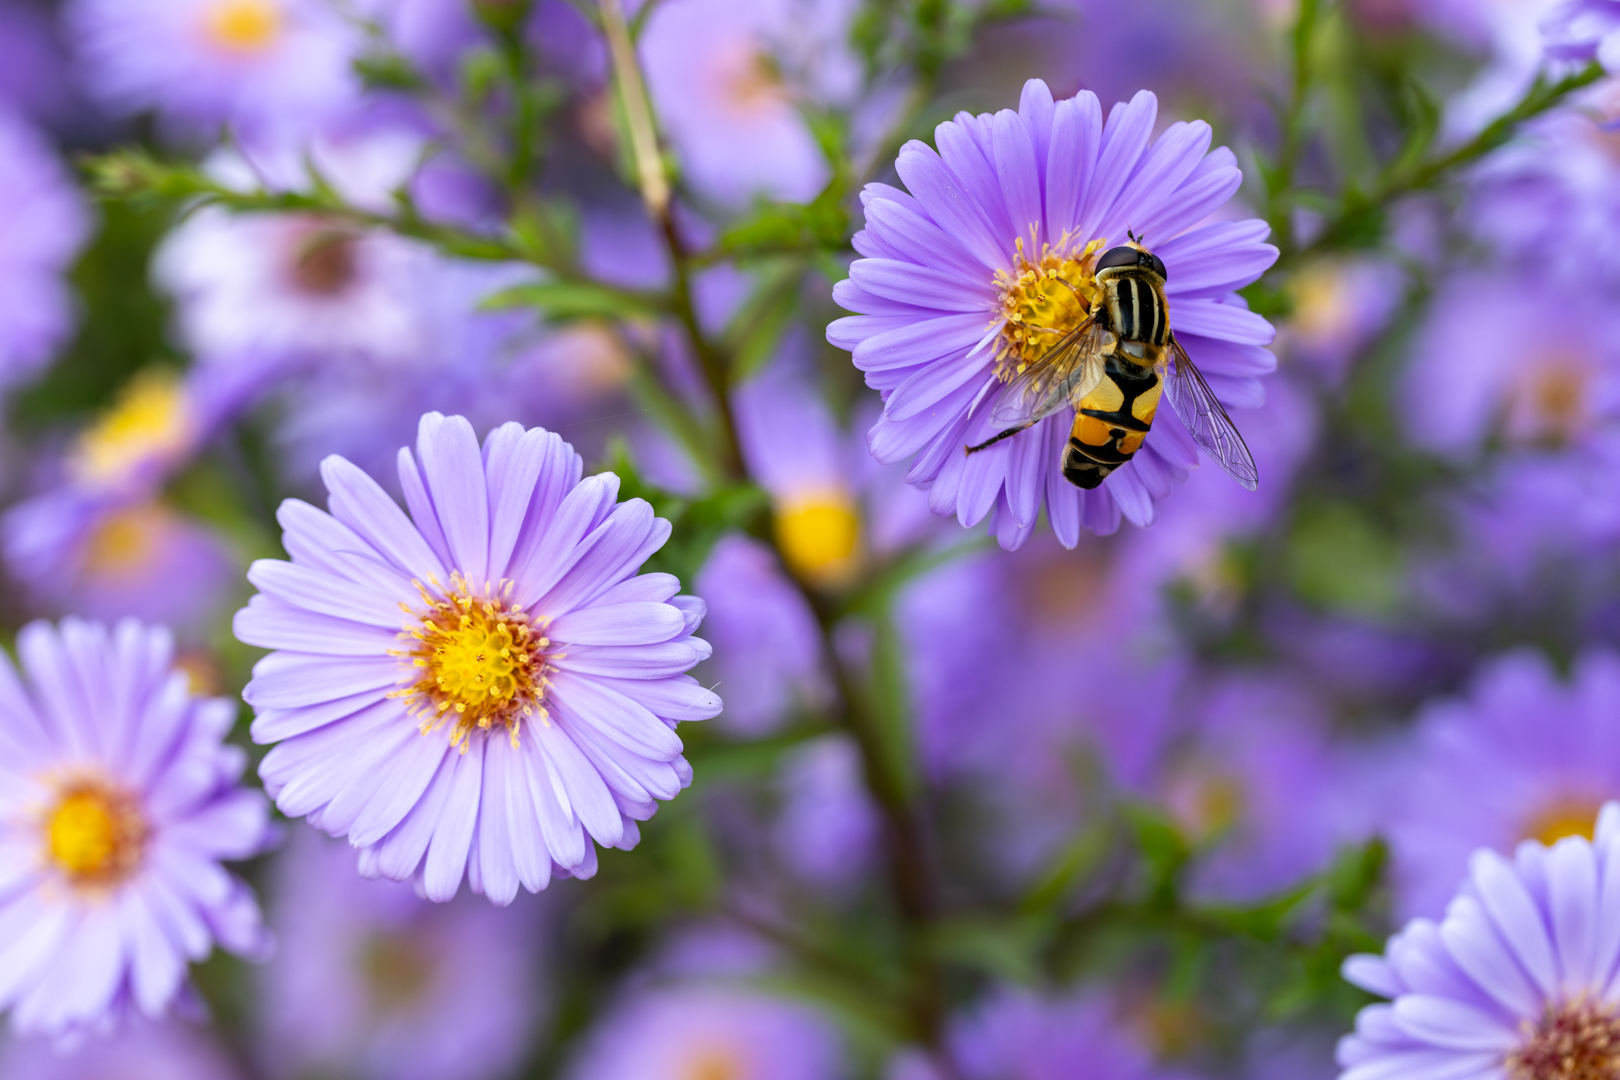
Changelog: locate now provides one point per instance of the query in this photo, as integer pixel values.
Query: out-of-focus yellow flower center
(820, 537)
(125, 541)
(1549, 407)
(95, 834)
(1205, 800)
(1564, 817)
(398, 970)
(1042, 301)
(1574, 1040)
(243, 26)
(714, 1063)
(151, 418)
(325, 262)
(1321, 301)
(479, 660)
(747, 80)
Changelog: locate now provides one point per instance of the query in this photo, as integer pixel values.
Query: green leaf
(562, 300)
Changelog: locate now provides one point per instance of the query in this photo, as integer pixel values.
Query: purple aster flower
(1584, 30)
(723, 76)
(366, 972)
(140, 1051)
(999, 239)
(44, 224)
(1340, 305)
(485, 686)
(261, 65)
(1467, 384)
(1260, 787)
(709, 1029)
(1516, 981)
(1524, 756)
(1017, 1035)
(118, 800)
(828, 828)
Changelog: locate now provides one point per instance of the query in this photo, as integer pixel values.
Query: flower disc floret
(1579, 1040)
(480, 658)
(95, 833)
(1043, 302)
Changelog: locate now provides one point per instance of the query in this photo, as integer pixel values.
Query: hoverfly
(1112, 368)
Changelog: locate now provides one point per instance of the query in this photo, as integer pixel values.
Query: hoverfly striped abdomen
(1111, 421)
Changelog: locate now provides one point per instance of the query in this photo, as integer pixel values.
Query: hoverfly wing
(1205, 418)
(1072, 369)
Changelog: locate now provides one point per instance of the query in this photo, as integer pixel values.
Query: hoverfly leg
(1009, 433)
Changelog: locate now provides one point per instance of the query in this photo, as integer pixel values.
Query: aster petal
(623, 719)
(453, 466)
(530, 858)
(1573, 906)
(588, 795)
(1019, 177)
(452, 836)
(613, 551)
(399, 854)
(564, 836)
(1171, 160)
(326, 593)
(922, 342)
(1426, 1065)
(275, 724)
(1473, 943)
(1071, 161)
(287, 680)
(1125, 136)
(965, 157)
(515, 459)
(399, 786)
(1515, 915)
(492, 843)
(558, 549)
(915, 237)
(31, 933)
(424, 515)
(1036, 109)
(676, 700)
(941, 196)
(1211, 319)
(1215, 181)
(1371, 973)
(271, 623)
(1451, 1024)
(923, 286)
(58, 689)
(618, 624)
(359, 502)
(82, 977)
(928, 387)
(157, 967)
(1216, 258)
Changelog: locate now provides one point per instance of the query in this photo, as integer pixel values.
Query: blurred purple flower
(768, 647)
(367, 974)
(1261, 788)
(1523, 756)
(140, 1051)
(1584, 30)
(1467, 382)
(263, 66)
(529, 701)
(1515, 981)
(1340, 305)
(1016, 1035)
(944, 264)
(724, 76)
(827, 831)
(44, 225)
(684, 1031)
(118, 799)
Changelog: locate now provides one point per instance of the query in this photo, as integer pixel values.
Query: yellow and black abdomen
(1111, 421)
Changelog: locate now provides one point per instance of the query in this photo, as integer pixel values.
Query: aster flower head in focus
(992, 258)
(1524, 756)
(1516, 981)
(485, 686)
(118, 799)
(44, 225)
(366, 971)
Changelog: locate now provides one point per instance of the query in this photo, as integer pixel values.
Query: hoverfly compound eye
(1115, 257)
(1158, 267)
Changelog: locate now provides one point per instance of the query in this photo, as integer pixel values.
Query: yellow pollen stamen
(95, 834)
(1043, 301)
(1569, 815)
(1575, 1040)
(243, 26)
(482, 658)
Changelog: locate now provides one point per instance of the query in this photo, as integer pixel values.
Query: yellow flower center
(1550, 405)
(1043, 301)
(125, 541)
(714, 1063)
(398, 970)
(479, 660)
(243, 26)
(820, 537)
(95, 834)
(1564, 817)
(1321, 301)
(151, 418)
(1205, 800)
(1578, 1040)
(324, 264)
